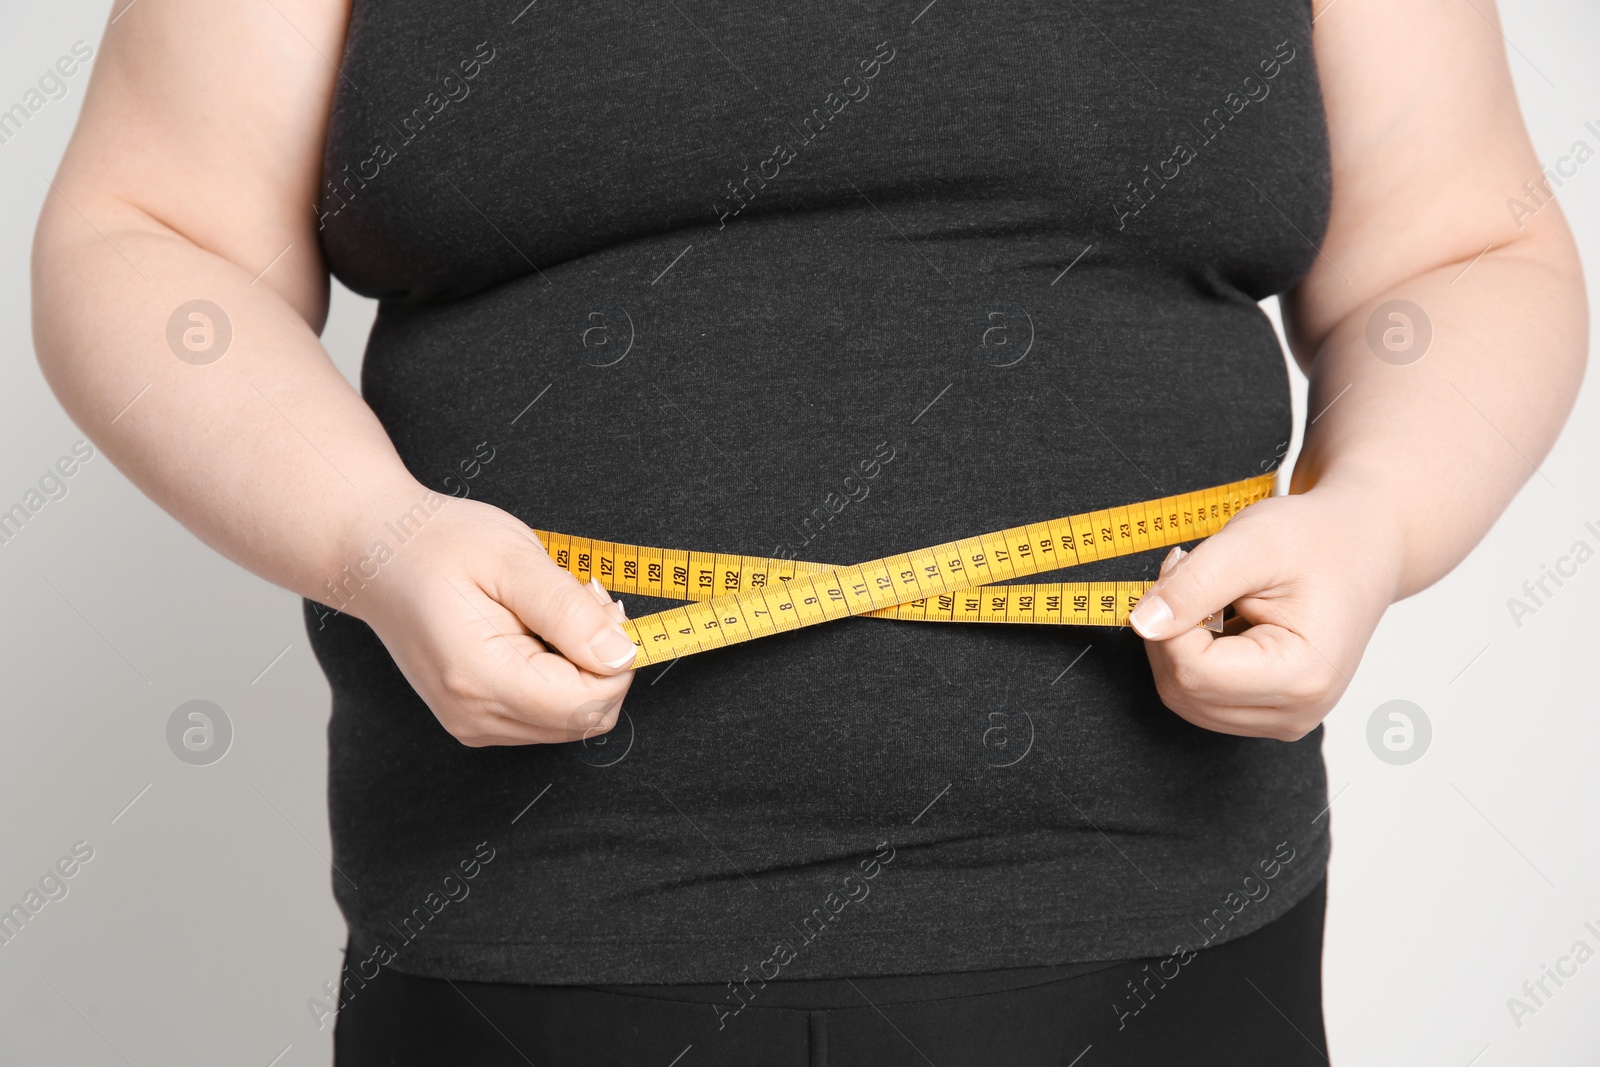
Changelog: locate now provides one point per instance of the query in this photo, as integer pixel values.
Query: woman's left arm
(1444, 331)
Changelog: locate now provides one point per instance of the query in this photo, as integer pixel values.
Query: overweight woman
(824, 282)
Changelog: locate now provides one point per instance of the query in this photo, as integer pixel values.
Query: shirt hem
(1039, 941)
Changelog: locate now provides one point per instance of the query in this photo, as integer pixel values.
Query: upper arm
(206, 119)
(1428, 149)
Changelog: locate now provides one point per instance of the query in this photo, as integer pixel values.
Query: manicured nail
(622, 609)
(612, 647)
(1151, 616)
(1172, 560)
(599, 592)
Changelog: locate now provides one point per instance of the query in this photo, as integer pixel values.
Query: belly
(824, 390)
(820, 388)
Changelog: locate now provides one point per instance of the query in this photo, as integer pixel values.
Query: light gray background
(205, 919)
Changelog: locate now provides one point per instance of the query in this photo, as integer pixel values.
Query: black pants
(1253, 1000)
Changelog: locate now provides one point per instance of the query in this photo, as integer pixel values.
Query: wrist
(1366, 514)
(368, 539)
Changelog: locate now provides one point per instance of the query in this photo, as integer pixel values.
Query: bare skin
(1401, 475)
(268, 454)
(273, 459)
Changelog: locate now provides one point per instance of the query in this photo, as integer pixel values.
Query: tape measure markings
(729, 600)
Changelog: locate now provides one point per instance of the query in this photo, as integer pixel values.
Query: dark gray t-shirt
(829, 281)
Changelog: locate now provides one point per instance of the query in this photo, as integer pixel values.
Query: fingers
(1265, 682)
(580, 622)
(598, 591)
(1259, 667)
(1226, 566)
(511, 691)
(1274, 723)
(1279, 677)
(514, 732)
(504, 646)
(489, 682)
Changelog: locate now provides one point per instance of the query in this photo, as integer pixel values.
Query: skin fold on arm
(1408, 459)
(191, 175)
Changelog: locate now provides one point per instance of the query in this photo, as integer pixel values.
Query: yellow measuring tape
(738, 598)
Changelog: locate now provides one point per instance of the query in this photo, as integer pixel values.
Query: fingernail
(612, 647)
(1151, 616)
(622, 609)
(1172, 560)
(599, 592)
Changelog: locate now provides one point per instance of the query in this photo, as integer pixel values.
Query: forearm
(267, 454)
(1435, 449)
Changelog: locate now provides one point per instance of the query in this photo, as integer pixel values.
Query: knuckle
(1311, 686)
(458, 684)
(1296, 725)
(575, 719)
(472, 732)
(590, 733)
(576, 723)
(467, 715)
(1185, 676)
(1166, 690)
(1175, 698)
(1256, 527)
(564, 601)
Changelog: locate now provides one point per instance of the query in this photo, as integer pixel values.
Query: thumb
(565, 613)
(1195, 584)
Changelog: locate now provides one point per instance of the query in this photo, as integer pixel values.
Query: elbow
(48, 265)
(1560, 299)
(1524, 284)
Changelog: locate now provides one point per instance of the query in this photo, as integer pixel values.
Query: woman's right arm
(192, 175)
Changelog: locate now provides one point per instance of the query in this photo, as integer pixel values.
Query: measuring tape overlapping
(735, 598)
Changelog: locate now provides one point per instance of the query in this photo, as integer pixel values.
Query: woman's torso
(829, 281)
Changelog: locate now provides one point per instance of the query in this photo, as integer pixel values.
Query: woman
(827, 284)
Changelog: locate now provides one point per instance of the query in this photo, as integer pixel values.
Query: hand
(458, 606)
(1312, 575)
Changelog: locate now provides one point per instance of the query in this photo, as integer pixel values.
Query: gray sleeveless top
(831, 281)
